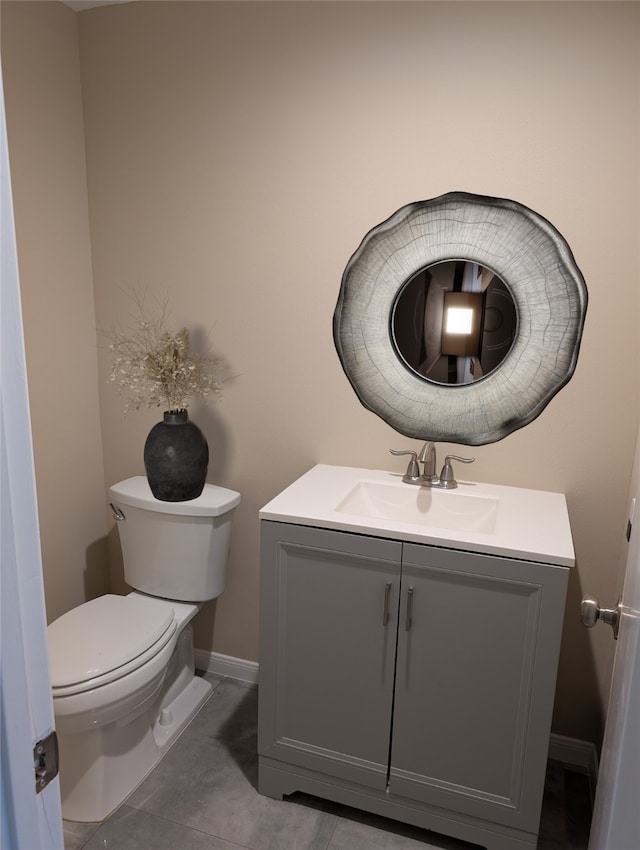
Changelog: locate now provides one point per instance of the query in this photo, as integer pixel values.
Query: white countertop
(529, 524)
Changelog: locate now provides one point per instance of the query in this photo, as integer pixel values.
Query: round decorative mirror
(459, 318)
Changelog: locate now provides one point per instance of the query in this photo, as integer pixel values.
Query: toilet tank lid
(213, 501)
(102, 635)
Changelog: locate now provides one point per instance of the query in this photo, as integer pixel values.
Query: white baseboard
(581, 756)
(577, 755)
(226, 665)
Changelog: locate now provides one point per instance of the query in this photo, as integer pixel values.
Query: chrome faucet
(428, 478)
(427, 457)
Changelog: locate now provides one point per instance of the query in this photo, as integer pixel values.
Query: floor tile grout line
(187, 828)
(333, 832)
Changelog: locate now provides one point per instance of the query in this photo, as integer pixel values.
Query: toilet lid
(102, 635)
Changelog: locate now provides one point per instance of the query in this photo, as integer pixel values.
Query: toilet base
(101, 766)
(119, 758)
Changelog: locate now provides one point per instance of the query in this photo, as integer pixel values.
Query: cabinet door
(328, 631)
(477, 659)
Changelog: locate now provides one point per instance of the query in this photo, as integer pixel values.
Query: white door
(29, 820)
(616, 816)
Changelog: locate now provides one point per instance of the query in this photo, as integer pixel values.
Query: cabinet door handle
(387, 597)
(409, 616)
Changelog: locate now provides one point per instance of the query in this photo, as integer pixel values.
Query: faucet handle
(447, 481)
(412, 475)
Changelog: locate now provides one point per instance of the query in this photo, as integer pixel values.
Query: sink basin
(427, 506)
(532, 525)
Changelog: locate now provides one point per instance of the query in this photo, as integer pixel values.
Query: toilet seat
(106, 639)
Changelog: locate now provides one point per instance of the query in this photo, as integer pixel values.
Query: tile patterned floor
(202, 797)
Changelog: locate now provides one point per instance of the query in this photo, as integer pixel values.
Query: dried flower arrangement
(155, 367)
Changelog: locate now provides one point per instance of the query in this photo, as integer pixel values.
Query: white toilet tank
(175, 550)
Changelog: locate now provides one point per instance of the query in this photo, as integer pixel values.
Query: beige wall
(46, 147)
(238, 152)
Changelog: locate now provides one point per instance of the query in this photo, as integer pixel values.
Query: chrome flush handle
(117, 513)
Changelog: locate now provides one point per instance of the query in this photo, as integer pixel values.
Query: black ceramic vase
(176, 458)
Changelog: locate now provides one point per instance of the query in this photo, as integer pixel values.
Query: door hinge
(45, 761)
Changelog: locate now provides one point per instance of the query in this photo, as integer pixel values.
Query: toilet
(122, 668)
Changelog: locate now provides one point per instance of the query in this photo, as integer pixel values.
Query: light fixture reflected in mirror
(461, 325)
(458, 321)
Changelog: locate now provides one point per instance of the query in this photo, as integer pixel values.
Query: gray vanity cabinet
(327, 659)
(410, 680)
(477, 657)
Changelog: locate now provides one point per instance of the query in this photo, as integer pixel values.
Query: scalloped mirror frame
(550, 295)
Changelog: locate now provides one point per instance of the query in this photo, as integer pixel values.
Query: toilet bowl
(122, 670)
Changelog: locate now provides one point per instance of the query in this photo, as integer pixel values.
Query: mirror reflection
(454, 322)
